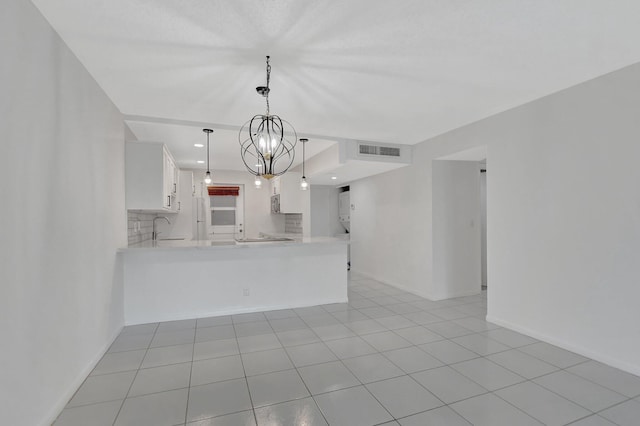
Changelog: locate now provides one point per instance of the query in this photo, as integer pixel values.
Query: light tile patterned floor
(387, 357)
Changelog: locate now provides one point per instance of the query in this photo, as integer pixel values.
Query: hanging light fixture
(258, 182)
(304, 185)
(264, 147)
(207, 176)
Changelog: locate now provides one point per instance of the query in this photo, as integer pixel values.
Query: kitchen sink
(223, 243)
(264, 240)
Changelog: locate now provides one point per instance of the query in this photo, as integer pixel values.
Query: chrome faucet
(154, 234)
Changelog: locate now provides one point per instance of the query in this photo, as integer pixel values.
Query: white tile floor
(387, 357)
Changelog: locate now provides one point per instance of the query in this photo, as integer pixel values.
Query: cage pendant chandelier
(267, 142)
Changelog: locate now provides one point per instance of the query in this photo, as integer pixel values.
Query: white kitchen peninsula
(170, 280)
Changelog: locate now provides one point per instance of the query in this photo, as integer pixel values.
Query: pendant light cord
(208, 152)
(268, 80)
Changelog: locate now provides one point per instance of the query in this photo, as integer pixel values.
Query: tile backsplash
(145, 220)
(140, 225)
(293, 223)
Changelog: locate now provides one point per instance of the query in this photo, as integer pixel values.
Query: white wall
(324, 211)
(563, 225)
(60, 299)
(564, 219)
(391, 225)
(128, 134)
(456, 229)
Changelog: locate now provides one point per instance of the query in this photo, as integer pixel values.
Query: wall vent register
(387, 151)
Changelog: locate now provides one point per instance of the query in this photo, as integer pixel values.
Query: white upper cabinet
(171, 173)
(182, 223)
(151, 177)
(288, 187)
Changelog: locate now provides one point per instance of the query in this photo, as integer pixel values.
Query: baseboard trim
(425, 295)
(56, 410)
(596, 356)
(236, 311)
(455, 295)
(393, 284)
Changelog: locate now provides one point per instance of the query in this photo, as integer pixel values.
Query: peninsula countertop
(150, 245)
(169, 280)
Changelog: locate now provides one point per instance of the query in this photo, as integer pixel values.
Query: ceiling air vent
(386, 151)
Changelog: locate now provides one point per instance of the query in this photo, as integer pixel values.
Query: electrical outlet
(245, 291)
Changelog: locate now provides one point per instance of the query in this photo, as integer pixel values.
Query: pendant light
(304, 185)
(265, 147)
(207, 176)
(257, 181)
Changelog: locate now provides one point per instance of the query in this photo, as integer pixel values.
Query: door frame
(239, 228)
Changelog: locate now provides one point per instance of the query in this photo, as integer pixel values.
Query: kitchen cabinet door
(288, 187)
(150, 178)
(183, 221)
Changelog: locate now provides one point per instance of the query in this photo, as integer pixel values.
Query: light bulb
(304, 185)
(258, 182)
(207, 177)
(263, 146)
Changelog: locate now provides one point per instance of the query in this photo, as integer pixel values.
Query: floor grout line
(115, 419)
(377, 301)
(193, 350)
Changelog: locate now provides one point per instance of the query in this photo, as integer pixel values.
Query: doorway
(225, 212)
(459, 224)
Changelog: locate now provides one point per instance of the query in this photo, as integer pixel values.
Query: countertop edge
(200, 245)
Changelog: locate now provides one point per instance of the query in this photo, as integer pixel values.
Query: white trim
(596, 356)
(242, 311)
(455, 295)
(417, 293)
(57, 408)
(396, 285)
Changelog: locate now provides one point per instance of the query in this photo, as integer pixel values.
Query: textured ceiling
(390, 71)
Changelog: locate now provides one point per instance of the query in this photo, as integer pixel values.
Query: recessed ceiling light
(200, 161)
(198, 145)
(334, 177)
